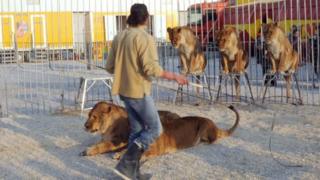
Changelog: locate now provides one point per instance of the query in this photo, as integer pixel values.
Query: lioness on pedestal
(284, 59)
(111, 121)
(192, 58)
(234, 58)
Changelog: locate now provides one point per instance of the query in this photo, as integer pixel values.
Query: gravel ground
(48, 147)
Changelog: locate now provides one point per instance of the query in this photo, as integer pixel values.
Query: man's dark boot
(142, 176)
(127, 167)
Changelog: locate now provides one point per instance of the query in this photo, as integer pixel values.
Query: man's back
(133, 58)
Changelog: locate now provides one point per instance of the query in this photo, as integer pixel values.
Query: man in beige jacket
(133, 60)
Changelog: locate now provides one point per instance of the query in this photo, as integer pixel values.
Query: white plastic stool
(87, 82)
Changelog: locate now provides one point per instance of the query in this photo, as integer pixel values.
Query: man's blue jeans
(145, 124)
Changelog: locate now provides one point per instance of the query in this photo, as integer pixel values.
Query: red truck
(205, 18)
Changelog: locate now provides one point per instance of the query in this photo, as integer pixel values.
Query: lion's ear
(179, 30)
(263, 28)
(192, 30)
(169, 30)
(233, 28)
(107, 109)
(217, 34)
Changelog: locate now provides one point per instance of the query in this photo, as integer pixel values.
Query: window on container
(150, 25)
(194, 15)
(121, 23)
(211, 15)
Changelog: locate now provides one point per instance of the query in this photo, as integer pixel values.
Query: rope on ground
(270, 149)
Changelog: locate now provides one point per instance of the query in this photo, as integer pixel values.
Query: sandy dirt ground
(48, 147)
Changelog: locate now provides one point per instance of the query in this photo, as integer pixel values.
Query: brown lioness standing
(192, 58)
(234, 58)
(283, 57)
(112, 123)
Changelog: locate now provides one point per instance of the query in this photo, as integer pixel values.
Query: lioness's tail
(224, 133)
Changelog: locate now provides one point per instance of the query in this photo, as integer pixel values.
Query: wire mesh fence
(46, 47)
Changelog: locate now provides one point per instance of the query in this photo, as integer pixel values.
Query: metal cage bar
(46, 47)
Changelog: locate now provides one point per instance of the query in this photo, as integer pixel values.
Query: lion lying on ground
(191, 56)
(284, 59)
(234, 58)
(111, 121)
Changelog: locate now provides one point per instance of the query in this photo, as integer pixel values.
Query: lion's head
(103, 116)
(180, 35)
(168, 115)
(227, 38)
(271, 32)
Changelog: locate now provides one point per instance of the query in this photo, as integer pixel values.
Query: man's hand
(181, 79)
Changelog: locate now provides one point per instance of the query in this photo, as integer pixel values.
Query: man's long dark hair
(138, 15)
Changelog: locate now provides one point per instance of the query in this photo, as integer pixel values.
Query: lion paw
(88, 152)
(184, 72)
(291, 71)
(271, 71)
(83, 153)
(225, 72)
(197, 72)
(117, 156)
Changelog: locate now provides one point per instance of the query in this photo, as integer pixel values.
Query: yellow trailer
(7, 31)
(84, 28)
